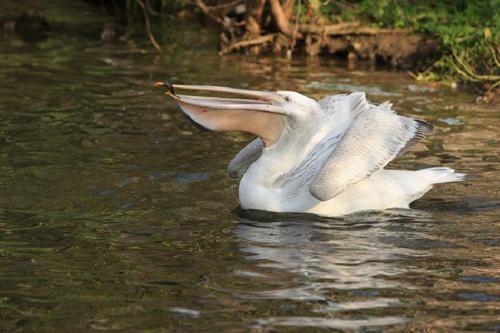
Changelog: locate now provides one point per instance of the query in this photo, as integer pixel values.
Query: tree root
(350, 28)
(148, 26)
(345, 37)
(246, 43)
(410, 52)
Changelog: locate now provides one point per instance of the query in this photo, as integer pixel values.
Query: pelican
(325, 158)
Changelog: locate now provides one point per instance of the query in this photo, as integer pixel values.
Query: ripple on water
(331, 323)
(357, 305)
(479, 279)
(184, 313)
(482, 297)
(451, 121)
(187, 178)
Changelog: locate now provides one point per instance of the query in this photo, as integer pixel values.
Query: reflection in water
(330, 322)
(324, 258)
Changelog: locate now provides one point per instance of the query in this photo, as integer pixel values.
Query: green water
(117, 214)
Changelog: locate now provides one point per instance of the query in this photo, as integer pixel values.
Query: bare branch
(148, 26)
(470, 72)
(280, 17)
(255, 8)
(210, 13)
(256, 41)
(349, 28)
(226, 5)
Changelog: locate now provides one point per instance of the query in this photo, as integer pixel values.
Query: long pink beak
(260, 114)
(263, 101)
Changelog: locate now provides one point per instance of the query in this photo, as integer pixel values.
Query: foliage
(468, 31)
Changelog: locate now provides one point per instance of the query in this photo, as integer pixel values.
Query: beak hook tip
(168, 85)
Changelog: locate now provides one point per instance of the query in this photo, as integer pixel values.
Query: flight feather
(374, 138)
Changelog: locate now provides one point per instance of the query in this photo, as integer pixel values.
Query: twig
(204, 8)
(280, 19)
(255, 41)
(470, 71)
(151, 10)
(492, 87)
(208, 11)
(369, 31)
(348, 28)
(494, 56)
(467, 76)
(148, 26)
(326, 29)
(413, 75)
(157, 13)
(225, 5)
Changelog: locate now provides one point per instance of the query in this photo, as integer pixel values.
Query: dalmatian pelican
(325, 157)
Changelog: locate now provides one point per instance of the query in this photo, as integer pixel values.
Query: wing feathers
(424, 128)
(344, 107)
(246, 157)
(386, 106)
(375, 138)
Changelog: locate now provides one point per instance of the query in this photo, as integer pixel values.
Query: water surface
(116, 213)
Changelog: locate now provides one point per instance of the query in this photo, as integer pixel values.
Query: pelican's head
(262, 113)
(298, 108)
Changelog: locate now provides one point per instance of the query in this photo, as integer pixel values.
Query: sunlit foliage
(468, 31)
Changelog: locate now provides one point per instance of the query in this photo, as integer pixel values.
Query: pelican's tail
(441, 175)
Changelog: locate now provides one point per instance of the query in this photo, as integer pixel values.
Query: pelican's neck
(286, 153)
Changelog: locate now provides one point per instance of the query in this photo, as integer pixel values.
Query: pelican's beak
(261, 115)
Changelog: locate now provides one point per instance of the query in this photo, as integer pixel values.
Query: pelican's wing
(343, 109)
(376, 137)
(246, 157)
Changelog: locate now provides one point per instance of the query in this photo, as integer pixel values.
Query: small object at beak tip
(167, 84)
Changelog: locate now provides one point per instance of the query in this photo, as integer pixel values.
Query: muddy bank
(399, 48)
(273, 33)
(404, 50)
(286, 26)
(263, 26)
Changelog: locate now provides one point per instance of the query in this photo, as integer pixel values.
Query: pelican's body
(384, 189)
(325, 157)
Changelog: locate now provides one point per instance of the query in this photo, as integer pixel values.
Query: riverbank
(452, 44)
(398, 47)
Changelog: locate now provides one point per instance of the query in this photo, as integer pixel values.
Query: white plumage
(325, 157)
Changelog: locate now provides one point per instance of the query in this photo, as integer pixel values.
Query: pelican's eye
(288, 99)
